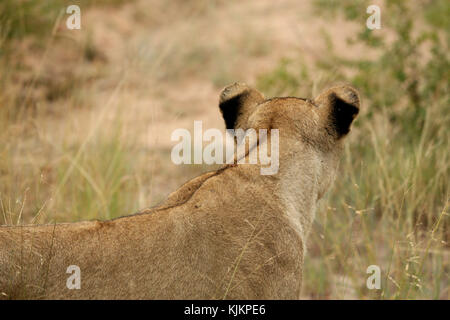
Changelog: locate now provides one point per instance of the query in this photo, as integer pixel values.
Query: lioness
(228, 234)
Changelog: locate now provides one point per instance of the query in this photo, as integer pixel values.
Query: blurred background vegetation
(86, 117)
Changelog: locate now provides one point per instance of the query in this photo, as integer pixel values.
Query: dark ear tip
(343, 113)
(237, 102)
(341, 103)
(349, 104)
(344, 92)
(349, 95)
(232, 91)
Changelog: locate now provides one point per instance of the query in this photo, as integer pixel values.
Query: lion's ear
(237, 102)
(340, 106)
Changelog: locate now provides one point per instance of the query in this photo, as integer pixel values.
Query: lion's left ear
(339, 106)
(237, 102)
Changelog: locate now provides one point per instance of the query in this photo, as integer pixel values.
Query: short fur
(232, 233)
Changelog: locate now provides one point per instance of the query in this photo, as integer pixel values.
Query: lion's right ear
(340, 106)
(237, 102)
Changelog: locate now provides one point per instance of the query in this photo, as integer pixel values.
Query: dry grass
(86, 118)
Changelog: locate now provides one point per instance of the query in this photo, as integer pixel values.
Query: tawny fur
(232, 233)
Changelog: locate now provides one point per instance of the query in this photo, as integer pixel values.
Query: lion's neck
(299, 193)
